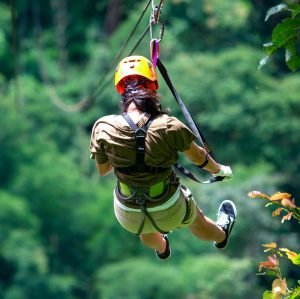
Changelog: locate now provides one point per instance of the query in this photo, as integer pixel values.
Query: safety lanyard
(193, 126)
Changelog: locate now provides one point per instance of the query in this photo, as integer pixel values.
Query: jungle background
(58, 235)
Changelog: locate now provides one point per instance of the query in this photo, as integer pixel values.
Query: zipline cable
(139, 40)
(103, 82)
(107, 79)
(119, 54)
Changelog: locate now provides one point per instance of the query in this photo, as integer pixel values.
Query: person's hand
(225, 171)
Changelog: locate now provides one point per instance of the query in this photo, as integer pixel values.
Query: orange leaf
(269, 246)
(279, 287)
(254, 194)
(279, 196)
(290, 254)
(288, 216)
(288, 203)
(271, 263)
(277, 212)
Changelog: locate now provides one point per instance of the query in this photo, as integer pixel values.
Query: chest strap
(140, 136)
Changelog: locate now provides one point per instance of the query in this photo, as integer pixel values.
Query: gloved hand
(225, 171)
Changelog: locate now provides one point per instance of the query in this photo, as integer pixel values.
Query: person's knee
(149, 237)
(200, 218)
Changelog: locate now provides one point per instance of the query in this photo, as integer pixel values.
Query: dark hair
(146, 100)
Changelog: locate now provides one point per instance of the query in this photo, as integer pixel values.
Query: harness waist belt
(154, 191)
(167, 204)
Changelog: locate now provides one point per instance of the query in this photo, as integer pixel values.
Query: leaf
(269, 48)
(285, 31)
(293, 256)
(295, 293)
(277, 212)
(267, 295)
(291, 57)
(269, 246)
(287, 217)
(296, 260)
(254, 194)
(274, 10)
(279, 196)
(288, 203)
(295, 8)
(272, 263)
(262, 63)
(272, 272)
(279, 287)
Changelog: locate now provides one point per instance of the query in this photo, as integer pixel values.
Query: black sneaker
(226, 219)
(167, 254)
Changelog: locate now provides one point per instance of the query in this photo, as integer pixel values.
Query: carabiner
(156, 14)
(161, 31)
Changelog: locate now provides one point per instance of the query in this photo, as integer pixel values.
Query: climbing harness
(137, 196)
(140, 135)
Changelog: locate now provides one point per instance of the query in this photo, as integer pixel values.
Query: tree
(285, 35)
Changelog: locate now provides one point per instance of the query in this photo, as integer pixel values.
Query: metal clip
(155, 19)
(156, 14)
(161, 31)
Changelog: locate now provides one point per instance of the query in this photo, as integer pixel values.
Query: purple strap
(154, 51)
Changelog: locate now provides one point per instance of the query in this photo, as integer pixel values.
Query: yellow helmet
(138, 66)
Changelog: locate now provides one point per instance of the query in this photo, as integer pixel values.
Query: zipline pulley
(155, 19)
(156, 11)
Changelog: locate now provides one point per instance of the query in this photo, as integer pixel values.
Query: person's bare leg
(205, 229)
(154, 241)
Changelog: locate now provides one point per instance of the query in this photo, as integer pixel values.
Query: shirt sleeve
(180, 135)
(97, 147)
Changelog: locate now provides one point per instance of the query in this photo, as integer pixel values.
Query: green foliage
(224, 272)
(285, 35)
(130, 279)
(58, 235)
(5, 51)
(190, 278)
(228, 105)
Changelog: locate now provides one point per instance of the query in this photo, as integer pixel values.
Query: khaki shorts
(167, 219)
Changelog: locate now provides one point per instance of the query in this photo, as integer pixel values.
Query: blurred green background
(58, 235)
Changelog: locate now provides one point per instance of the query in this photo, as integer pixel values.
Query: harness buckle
(140, 135)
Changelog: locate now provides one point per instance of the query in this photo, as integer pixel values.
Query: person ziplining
(141, 146)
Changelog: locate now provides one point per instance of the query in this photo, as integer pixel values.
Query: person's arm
(199, 156)
(104, 168)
